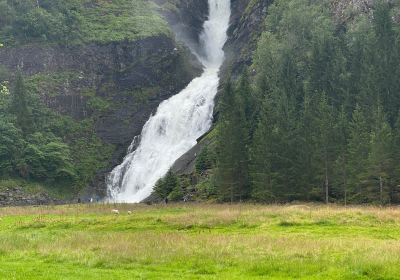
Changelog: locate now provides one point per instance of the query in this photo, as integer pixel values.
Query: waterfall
(178, 122)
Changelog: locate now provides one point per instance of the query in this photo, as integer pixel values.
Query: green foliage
(19, 106)
(231, 176)
(78, 21)
(204, 161)
(40, 156)
(206, 190)
(46, 158)
(380, 158)
(317, 121)
(176, 194)
(167, 185)
(98, 104)
(11, 144)
(39, 145)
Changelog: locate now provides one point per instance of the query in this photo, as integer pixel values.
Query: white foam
(178, 122)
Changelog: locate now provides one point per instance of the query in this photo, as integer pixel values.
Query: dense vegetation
(200, 242)
(316, 117)
(37, 144)
(40, 145)
(77, 21)
(319, 119)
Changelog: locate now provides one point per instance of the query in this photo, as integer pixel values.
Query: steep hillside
(94, 72)
(315, 114)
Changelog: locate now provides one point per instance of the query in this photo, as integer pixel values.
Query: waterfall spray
(178, 122)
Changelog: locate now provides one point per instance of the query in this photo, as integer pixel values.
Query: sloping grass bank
(79, 21)
(199, 242)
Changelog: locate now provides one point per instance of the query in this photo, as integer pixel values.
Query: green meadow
(199, 241)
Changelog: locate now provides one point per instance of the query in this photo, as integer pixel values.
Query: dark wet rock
(247, 22)
(186, 164)
(18, 196)
(186, 18)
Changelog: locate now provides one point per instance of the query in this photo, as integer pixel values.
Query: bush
(176, 194)
(166, 185)
(10, 146)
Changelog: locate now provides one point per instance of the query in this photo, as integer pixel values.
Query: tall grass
(200, 242)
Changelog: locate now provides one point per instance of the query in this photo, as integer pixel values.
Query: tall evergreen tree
(243, 118)
(247, 100)
(395, 186)
(19, 105)
(358, 150)
(306, 164)
(341, 168)
(325, 142)
(166, 185)
(263, 180)
(232, 155)
(380, 157)
(387, 60)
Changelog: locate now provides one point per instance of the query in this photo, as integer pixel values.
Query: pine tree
(324, 142)
(225, 147)
(244, 118)
(386, 56)
(232, 148)
(166, 185)
(246, 98)
(203, 161)
(262, 178)
(380, 157)
(395, 186)
(341, 172)
(286, 149)
(19, 106)
(306, 165)
(358, 151)
(278, 126)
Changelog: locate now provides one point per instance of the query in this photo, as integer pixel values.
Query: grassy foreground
(200, 242)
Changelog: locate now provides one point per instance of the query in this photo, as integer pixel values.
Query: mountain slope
(315, 114)
(92, 80)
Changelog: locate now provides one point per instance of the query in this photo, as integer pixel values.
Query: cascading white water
(178, 122)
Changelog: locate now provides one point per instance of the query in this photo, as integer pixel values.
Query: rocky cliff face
(106, 70)
(246, 26)
(186, 19)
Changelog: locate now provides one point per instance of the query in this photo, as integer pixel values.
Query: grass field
(200, 242)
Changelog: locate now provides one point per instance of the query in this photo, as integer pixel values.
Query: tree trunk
(381, 189)
(326, 188)
(326, 180)
(231, 193)
(345, 180)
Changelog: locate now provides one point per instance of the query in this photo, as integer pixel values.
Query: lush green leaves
(38, 144)
(167, 185)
